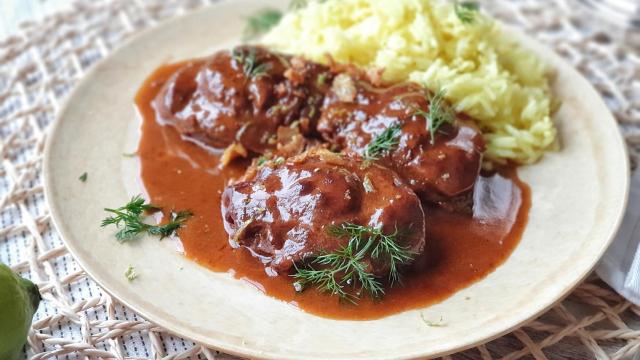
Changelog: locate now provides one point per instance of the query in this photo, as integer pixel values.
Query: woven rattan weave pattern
(78, 320)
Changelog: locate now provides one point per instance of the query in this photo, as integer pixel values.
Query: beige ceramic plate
(579, 195)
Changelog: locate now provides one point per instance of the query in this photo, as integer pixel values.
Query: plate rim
(252, 352)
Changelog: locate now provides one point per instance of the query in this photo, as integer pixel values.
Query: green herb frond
(176, 220)
(298, 4)
(261, 22)
(262, 160)
(466, 11)
(321, 80)
(384, 246)
(397, 255)
(439, 323)
(129, 220)
(383, 143)
(325, 279)
(130, 273)
(345, 272)
(278, 161)
(130, 155)
(339, 273)
(439, 113)
(248, 60)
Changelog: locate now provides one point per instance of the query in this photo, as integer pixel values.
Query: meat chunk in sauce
(436, 166)
(267, 103)
(282, 211)
(242, 96)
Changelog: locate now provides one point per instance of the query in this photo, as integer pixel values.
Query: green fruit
(19, 299)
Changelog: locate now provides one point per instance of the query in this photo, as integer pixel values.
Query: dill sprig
(439, 113)
(382, 144)
(83, 177)
(466, 11)
(298, 4)
(345, 273)
(261, 22)
(439, 323)
(176, 220)
(130, 273)
(248, 60)
(385, 246)
(262, 160)
(338, 273)
(129, 220)
(130, 155)
(321, 79)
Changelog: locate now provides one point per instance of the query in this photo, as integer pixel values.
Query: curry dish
(323, 186)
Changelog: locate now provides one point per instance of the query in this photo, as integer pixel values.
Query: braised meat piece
(283, 210)
(250, 100)
(436, 166)
(243, 96)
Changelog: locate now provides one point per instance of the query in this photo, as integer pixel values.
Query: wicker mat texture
(77, 320)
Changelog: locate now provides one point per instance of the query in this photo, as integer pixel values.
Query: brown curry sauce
(460, 249)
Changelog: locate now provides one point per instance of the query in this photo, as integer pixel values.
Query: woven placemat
(77, 319)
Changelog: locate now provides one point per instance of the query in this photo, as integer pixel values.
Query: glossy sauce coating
(460, 249)
(245, 96)
(283, 212)
(242, 95)
(436, 166)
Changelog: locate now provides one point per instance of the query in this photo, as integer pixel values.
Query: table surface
(14, 12)
(78, 320)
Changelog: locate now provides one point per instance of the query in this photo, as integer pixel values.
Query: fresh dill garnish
(129, 220)
(336, 272)
(262, 160)
(298, 4)
(439, 113)
(83, 177)
(176, 220)
(261, 22)
(466, 11)
(268, 158)
(385, 246)
(131, 273)
(131, 154)
(248, 60)
(321, 79)
(382, 144)
(345, 272)
(439, 323)
(280, 109)
(278, 161)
